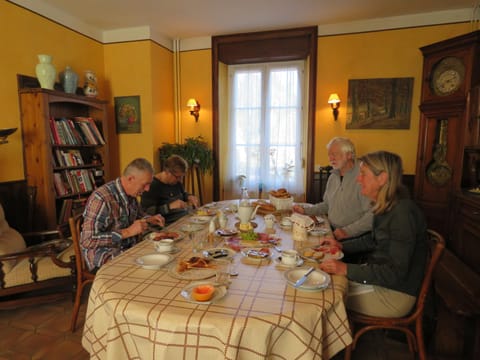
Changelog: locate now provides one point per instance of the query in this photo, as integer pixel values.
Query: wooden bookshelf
(69, 155)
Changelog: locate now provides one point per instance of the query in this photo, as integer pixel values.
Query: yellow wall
(23, 36)
(145, 69)
(383, 54)
(196, 82)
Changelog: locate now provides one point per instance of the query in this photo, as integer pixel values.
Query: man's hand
(177, 204)
(192, 199)
(298, 209)
(156, 220)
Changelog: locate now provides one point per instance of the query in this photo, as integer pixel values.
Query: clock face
(447, 76)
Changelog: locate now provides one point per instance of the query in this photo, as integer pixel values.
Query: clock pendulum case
(450, 87)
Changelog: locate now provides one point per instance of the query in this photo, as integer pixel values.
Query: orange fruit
(203, 292)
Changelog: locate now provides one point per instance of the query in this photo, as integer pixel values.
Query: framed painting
(127, 114)
(379, 103)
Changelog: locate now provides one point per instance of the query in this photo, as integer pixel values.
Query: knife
(300, 281)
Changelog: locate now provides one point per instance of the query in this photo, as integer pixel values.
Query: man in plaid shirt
(113, 217)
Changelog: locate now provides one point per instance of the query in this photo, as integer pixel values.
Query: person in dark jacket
(387, 284)
(167, 195)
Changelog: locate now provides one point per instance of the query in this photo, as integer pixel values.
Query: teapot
(246, 213)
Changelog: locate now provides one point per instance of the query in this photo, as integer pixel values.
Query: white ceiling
(166, 20)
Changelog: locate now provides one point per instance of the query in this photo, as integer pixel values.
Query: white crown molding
(397, 22)
(198, 43)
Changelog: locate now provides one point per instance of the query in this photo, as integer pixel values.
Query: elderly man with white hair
(348, 211)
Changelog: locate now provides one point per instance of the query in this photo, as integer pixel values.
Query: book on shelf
(76, 131)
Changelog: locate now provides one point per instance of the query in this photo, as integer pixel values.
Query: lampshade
(191, 103)
(333, 99)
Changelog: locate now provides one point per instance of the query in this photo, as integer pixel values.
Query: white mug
(164, 245)
(289, 257)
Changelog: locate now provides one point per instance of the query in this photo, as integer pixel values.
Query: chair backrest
(75, 224)
(436, 244)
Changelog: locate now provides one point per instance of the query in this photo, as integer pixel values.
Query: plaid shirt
(108, 210)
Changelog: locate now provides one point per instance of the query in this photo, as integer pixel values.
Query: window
(265, 137)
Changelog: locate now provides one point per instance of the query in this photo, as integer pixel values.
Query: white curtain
(265, 130)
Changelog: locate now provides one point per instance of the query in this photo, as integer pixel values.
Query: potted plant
(194, 150)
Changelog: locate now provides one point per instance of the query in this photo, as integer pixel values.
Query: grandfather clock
(451, 73)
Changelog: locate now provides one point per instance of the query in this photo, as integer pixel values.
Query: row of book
(69, 208)
(71, 157)
(69, 182)
(76, 131)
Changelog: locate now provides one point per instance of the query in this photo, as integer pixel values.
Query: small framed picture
(127, 114)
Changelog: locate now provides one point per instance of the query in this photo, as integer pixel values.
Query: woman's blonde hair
(391, 164)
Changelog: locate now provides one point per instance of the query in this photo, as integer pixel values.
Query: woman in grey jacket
(387, 284)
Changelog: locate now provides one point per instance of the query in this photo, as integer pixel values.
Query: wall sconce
(194, 107)
(334, 102)
(5, 133)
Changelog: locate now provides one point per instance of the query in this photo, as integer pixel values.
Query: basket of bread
(281, 199)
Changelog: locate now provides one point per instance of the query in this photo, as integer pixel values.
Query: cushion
(46, 269)
(10, 241)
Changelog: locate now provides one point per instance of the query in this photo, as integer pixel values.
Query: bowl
(203, 292)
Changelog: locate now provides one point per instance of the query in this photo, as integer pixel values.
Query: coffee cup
(289, 257)
(286, 221)
(164, 245)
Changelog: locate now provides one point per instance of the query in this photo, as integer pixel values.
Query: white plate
(247, 253)
(226, 232)
(173, 250)
(191, 227)
(318, 232)
(193, 274)
(153, 261)
(278, 262)
(326, 255)
(199, 219)
(317, 280)
(220, 291)
(209, 253)
(175, 235)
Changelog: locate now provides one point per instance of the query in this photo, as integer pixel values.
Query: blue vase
(69, 80)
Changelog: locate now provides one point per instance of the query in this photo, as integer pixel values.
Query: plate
(317, 280)
(475, 191)
(159, 235)
(173, 250)
(255, 255)
(191, 227)
(318, 232)
(199, 219)
(153, 261)
(193, 273)
(226, 232)
(220, 292)
(219, 253)
(278, 262)
(314, 253)
(205, 212)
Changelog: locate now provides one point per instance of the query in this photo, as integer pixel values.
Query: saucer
(278, 262)
(220, 292)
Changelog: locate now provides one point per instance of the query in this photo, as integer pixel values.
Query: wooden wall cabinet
(38, 107)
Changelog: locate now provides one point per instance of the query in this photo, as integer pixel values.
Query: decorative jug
(45, 71)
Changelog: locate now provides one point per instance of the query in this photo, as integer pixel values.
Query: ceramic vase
(45, 72)
(69, 80)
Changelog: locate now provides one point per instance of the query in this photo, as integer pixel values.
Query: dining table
(135, 312)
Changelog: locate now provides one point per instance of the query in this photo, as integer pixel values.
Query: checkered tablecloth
(134, 313)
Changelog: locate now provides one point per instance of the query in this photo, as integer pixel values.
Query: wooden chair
(411, 324)
(82, 275)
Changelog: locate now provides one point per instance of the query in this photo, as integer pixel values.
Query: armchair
(33, 274)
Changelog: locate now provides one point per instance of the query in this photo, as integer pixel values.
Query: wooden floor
(42, 332)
